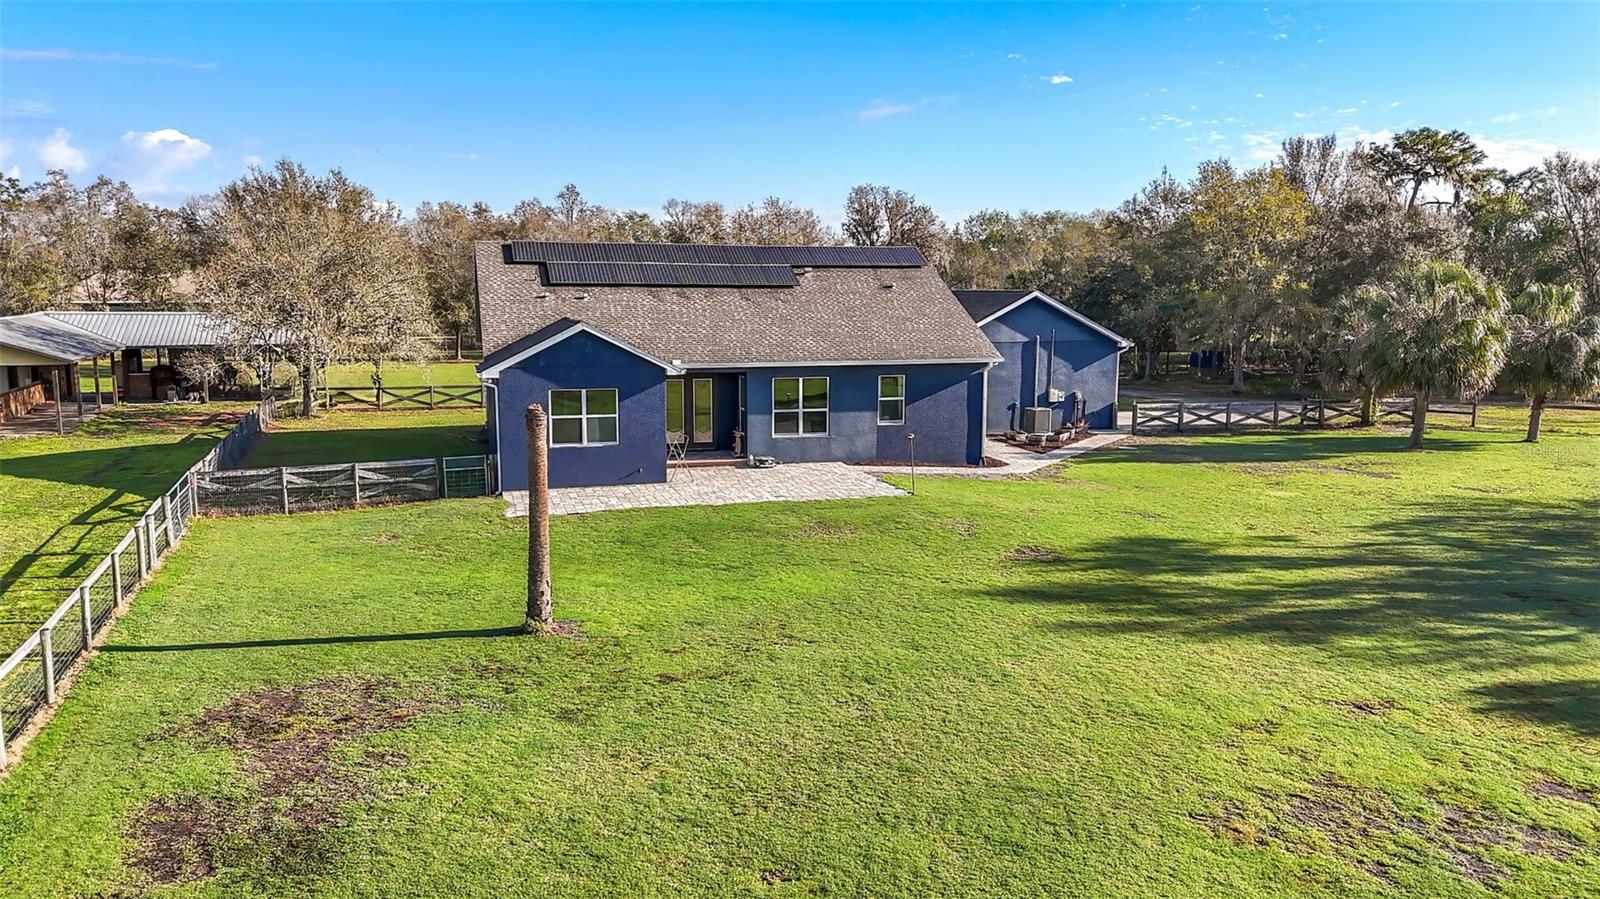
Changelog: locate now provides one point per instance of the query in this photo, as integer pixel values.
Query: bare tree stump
(541, 615)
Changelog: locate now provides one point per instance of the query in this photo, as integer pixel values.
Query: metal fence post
(355, 479)
(283, 485)
(88, 615)
(47, 649)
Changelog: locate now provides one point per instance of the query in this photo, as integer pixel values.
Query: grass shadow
(305, 447)
(1489, 586)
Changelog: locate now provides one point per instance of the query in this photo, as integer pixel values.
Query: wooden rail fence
(457, 396)
(1155, 418)
(35, 675)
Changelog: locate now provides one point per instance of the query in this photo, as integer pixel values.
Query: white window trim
(583, 417)
(878, 409)
(826, 410)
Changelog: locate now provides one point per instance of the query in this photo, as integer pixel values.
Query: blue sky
(969, 106)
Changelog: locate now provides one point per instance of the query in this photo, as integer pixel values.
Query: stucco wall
(944, 407)
(586, 361)
(1084, 361)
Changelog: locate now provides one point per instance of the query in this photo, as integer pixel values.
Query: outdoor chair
(677, 445)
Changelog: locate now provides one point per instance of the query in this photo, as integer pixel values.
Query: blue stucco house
(796, 353)
(1051, 356)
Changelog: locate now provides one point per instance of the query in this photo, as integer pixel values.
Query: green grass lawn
(66, 501)
(369, 437)
(1275, 664)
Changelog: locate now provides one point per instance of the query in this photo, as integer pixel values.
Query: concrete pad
(716, 486)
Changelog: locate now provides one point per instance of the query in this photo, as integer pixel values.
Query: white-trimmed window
(891, 399)
(799, 407)
(583, 417)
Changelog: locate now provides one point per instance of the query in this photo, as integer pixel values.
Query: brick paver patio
(716, 487)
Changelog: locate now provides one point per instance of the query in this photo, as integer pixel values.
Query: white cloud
(884, 109)
(465, 157)
(25, 109)
(1017, 56)
(1059, 79)
(1259, 95)
(57, 152)
(1263, 146)
(59, 54)
(1510, 117)
(1280, 36)
(148, 160)
(1521, 153)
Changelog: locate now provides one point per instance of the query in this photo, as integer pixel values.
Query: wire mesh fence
(36, 672)
(305, 488)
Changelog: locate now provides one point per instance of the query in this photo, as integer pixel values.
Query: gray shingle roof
(830, 315)
(981, 304)
(41, 334)
(149, 329)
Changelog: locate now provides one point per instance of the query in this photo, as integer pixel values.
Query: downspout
(1038, 346)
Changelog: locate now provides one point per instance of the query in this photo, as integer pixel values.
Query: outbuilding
(1052, 357)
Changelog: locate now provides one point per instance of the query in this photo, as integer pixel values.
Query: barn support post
(55, 394)
(540, 617)
(77, 388)
(99, 401)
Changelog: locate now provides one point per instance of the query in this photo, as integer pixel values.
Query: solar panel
(715, 254)
(667, 275)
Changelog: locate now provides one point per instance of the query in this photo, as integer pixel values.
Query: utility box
(1056, 395)
(1037, 420)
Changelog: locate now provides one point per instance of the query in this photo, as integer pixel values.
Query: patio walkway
(794, 482)
(41, 422)
(1018, 461)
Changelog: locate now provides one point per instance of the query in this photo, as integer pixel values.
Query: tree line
(1299, 263)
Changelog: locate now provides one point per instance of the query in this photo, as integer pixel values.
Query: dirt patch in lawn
(1264, 469)
(301, 747)
(1550, 788)
(1034, 554)
(1371, 708)
(823, 529)
(1369, 831)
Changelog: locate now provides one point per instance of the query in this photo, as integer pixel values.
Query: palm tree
(1437, 329)
(1555, 347)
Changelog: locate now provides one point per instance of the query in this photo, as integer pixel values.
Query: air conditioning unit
(1037, 419)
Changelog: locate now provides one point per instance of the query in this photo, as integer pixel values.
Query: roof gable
(987, 305)
(547, 337)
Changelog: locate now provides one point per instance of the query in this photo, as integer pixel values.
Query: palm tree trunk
(1369, 407)
(1238, 366)
(540, 617)
(1535, 411)
(1149, 364)
(1419, 418)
